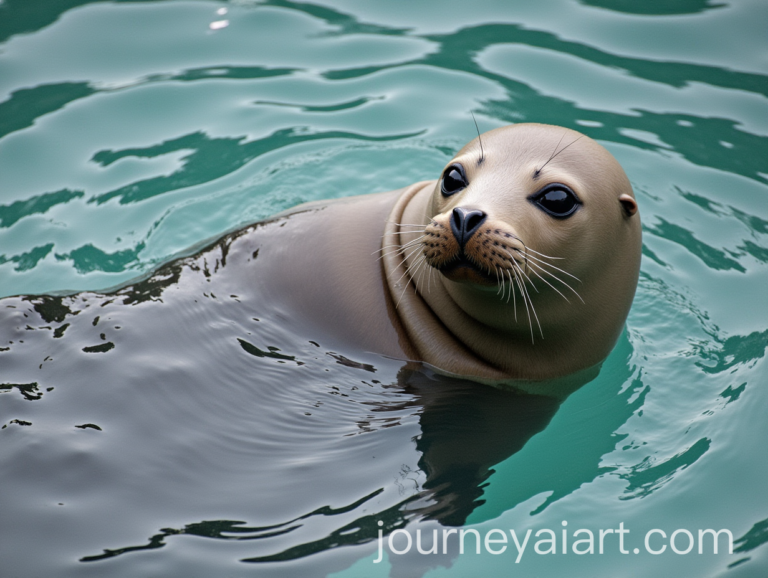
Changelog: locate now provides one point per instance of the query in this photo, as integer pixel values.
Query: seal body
(320, 264)
(519, 264)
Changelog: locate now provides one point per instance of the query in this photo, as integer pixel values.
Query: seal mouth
(462, 269)
(485, 258)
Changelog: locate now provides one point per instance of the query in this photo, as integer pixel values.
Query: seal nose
(465, 223)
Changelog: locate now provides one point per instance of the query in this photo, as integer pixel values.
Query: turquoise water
(132, 131)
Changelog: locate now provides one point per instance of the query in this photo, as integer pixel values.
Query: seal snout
(467, 244)
(465, 223)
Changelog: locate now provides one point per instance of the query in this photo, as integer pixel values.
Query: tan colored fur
(464, 326)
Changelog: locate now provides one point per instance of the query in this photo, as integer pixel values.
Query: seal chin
(463, 270)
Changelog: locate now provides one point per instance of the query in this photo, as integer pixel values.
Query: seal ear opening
(628, 204)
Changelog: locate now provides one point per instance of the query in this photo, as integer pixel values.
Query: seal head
(521, 261)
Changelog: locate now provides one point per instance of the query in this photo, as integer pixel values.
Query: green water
(132, 131)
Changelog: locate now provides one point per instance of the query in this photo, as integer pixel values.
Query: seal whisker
(417, 270)
(525, 298)
(537, 171)
(522, 296)
(529, 250)
(554, 154)
(412, 242)
(432, 272)
(390, 252)
(429, 271)
(425, 270)
(548, 283)
(419, 262)
(423, 229)
(406, 224)
(395, 252)
(407, 267)
(512, 291)
(526, 276)
(502, 281)
(533, 308)
(540, 265)
(540, 254)
(398, 249)
(399, 225)
(412, 268)
(555, 277)
(410, 278)
(480, 140)
(554, 267)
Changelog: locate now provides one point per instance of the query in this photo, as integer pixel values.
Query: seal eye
(556, 200)
(453, 180)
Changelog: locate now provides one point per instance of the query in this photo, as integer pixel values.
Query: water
(132, 131)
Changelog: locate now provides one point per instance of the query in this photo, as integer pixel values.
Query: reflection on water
(756, 536)
(38, 204)
(656, 7)
(28, 260)
(18, 16)
(714, 258)
(209, 159)
(25, 105)
(646, 478)
(569, 453)
(465, 430)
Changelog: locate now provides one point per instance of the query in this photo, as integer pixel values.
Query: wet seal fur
(521, 294)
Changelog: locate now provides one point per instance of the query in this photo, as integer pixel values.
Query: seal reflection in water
(518, 265)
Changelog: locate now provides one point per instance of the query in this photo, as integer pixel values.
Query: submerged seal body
(519, 263)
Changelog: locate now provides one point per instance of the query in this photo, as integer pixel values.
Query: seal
(519, 263)
(516, 266)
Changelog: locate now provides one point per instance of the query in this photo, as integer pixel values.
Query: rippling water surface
(133, 132)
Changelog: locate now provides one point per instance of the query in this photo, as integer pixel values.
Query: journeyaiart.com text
(546, 541)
